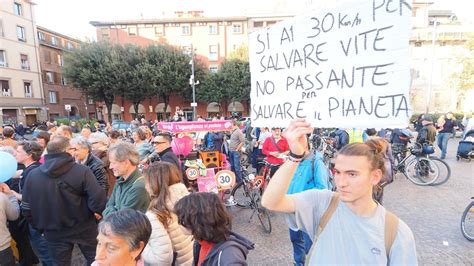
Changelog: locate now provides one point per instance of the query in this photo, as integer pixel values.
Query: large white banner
(342, 67)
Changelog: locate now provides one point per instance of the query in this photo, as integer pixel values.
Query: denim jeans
(443, 139)
(301, 246)
(6, 257)
(255, 154)
(235, 165)
(40, 246)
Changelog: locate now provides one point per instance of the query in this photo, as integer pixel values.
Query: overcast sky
(72, 17)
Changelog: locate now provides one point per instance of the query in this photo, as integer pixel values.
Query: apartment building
(21, 98)
(436, 44)
(212, 38)
(62, 100)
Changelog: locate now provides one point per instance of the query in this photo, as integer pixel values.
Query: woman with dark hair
(170, 243)
(43, 138)
(205, 216)
(122, 237)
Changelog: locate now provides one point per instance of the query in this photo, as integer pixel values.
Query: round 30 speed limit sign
(192, 173)
(225, 179)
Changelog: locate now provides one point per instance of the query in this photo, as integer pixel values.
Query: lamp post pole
(430, 84)
(193, 83)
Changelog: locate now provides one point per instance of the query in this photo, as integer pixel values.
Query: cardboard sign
(225, 179)
(344, 67)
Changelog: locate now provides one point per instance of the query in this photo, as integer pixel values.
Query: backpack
(390, 228)
(341, 139)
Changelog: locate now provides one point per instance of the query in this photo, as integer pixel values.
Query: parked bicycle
(467, 221)
(248, 194)
(419, 167)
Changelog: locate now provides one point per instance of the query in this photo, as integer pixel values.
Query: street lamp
(193, 83)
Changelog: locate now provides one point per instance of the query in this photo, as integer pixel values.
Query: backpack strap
(323, 222)
(275, 144)
(390, 231)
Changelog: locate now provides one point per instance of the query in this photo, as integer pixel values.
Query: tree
(136, 72)
(241, 53)
(463, 80)
(92, 69)
(235, 75)
(211, 89)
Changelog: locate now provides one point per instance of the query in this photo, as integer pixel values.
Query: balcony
(28, 95)
(25, 67)
(6, 93)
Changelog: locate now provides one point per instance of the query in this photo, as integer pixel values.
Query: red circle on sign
(225, 179)
(192, 173)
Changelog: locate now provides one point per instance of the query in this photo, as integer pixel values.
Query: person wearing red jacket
(275, 148)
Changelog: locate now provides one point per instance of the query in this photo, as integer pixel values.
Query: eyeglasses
(72, 149)
(158, 142)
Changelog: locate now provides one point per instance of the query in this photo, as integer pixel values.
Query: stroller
(466, 147)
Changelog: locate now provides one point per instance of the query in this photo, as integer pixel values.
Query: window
(60, 60)
(41, 36)
(212, 29)
(258, 24)
(18, 10)
(49, 77)
(418, 44)
(53, 97)
(105, 32)
(54, 41)
(2, 34)
(3, 58)
(24, 62)
(237, 28)
(185, 30)
(20, 33)
(63, 81)
(213, 68)
(28, 89)
(269, 23)
(69, 45)
(5, 88)
(132, 31)
(47, 56)
(213, 53)
(90, 101)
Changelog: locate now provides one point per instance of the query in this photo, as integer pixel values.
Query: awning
(159, 108)
(235, 107)
(213, 108)
(116, 109)
(141, 109)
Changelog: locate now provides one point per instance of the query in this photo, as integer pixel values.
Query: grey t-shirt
(348, 238)
(236, 138)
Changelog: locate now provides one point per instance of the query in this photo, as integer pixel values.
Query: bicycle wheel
(421, 171)
(467, 222)
(262, 214)
(444, 171)
(238, 196)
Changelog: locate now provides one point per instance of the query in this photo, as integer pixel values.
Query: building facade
(212, 38)
(436, 45)
(62, 100)
(21, 98)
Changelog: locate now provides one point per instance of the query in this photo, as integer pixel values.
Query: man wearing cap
(428, 132)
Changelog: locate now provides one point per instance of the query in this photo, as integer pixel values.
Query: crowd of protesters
(87, 187)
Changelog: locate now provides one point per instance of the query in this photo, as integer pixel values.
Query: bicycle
(325, 146)
(467, 221)
(247, 194)
(421, 168)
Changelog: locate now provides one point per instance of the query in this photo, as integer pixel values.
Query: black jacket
(168, 155)
(98, 169)
(60, 197)
(233, 251)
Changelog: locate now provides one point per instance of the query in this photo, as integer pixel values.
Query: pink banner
(195, 126)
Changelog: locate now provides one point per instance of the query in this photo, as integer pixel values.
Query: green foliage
(464, 80)
(235, 76)
(241, 53)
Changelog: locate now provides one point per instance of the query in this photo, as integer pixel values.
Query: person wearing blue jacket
(311, 173)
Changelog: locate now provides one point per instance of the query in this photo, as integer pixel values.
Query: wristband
(296, 156)
(291, 159)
